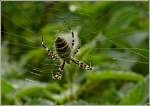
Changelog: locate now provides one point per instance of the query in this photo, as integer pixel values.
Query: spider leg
(72, 34)
(51, 53)
(59, 73)
(81, 64)
(76, 50)
(73, 39)
(75, 47)
(43, 45)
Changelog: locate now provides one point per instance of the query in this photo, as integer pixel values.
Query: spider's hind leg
(81, 64)
(58, 75)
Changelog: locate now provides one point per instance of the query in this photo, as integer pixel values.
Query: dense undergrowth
(114, 40)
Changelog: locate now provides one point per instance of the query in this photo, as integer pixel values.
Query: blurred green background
(114, 40)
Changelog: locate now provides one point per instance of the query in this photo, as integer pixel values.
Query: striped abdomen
(63, 49)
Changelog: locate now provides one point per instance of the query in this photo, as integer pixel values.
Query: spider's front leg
(58, 75)
(43, 45)
(75, 47)
(51, 53)
(75, 42)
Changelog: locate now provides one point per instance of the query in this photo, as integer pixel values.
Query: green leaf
(6, 87)
(105, 75)
(138, 94)
(34, 91)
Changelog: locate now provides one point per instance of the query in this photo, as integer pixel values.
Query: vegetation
(114, 40)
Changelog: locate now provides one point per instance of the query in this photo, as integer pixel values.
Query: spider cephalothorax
(65, 52)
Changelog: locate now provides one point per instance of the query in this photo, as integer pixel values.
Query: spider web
(43, 69)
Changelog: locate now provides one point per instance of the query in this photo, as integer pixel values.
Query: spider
(65, 51)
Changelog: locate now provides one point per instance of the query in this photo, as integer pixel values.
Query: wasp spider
(65, 51)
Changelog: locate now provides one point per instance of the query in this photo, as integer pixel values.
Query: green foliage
(6, 87)
(120, 75)
(114, 41)
(138, 92)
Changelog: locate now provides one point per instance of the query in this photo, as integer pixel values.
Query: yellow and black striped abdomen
(63, 49)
